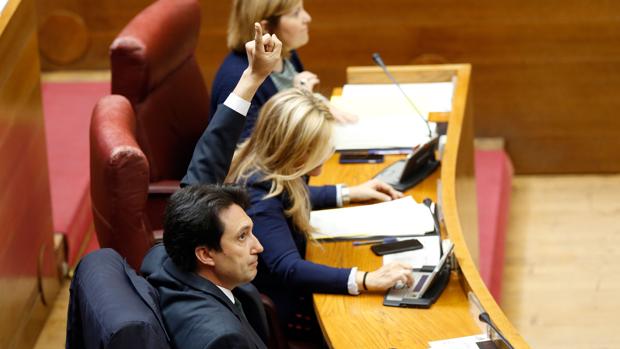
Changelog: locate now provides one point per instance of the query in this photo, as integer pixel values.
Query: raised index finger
(258, 37)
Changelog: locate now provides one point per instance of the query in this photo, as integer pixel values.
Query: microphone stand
(378, 61)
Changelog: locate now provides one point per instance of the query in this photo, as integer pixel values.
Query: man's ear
(204, 255)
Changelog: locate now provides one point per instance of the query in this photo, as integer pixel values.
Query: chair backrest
(112, 307)
(154, 66)
(119, 178)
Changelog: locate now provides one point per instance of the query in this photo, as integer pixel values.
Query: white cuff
(343, 196)
(339, 195)
(237, 104)
(351, 284)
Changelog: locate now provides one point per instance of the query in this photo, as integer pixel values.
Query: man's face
(237, 261)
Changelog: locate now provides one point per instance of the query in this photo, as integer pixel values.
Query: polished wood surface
(28, 275)
(562, 279)
(362, 321)
(546, 73)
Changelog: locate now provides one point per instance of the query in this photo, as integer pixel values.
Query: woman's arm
(213, 152)
(323, 196)
(282, 258)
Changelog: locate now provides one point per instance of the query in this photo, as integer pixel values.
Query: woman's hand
(306, 80)
(342, 116)
(264, 52)
(385, 277)
(374, 189)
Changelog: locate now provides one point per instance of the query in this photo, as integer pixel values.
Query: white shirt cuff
(237, 104)
(339, 202)
(351, 284)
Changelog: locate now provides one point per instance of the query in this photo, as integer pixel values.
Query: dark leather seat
(156, 126)
(154, 66)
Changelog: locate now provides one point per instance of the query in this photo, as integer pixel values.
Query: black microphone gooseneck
(484, 317)
(378, 61)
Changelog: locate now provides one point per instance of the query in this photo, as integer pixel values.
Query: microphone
(378, 61)
(432, 207)
(484, 317)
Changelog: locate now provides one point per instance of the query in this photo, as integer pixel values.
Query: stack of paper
(402, 217)
(428, 255)
(2, 4)
(472, 342)
(386, 118)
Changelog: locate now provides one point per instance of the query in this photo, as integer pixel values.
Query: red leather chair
(153, 65)
(119, 180)
(143, 137)
(119, 190)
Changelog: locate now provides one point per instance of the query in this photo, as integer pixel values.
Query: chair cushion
(152, 45)
(153, 65)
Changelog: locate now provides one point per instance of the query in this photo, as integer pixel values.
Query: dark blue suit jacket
(283, 273)
(112, 307)
(227, 77)
(197, 314)
(215, 148)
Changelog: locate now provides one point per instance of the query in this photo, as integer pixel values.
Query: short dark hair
(192, 220)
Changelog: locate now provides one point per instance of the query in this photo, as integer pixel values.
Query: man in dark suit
(209, 248)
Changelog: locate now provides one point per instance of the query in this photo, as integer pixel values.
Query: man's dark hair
(192, 220)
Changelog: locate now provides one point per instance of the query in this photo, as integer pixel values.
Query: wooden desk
(363, 322)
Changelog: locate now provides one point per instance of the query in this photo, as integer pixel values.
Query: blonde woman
(290, 22)
(292, 139)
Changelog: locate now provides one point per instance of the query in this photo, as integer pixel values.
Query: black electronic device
(360, 157)
(429, 283)
(395, 247)
(406, 173)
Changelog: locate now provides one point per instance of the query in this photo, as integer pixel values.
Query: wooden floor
(562, 274)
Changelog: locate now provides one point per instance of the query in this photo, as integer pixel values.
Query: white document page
(2, 4)
(386, 119)
(469, 342)
(399, 217)
(429, 255)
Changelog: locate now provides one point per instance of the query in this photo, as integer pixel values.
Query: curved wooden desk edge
(460, 222)
(7, 13)
(449, 170)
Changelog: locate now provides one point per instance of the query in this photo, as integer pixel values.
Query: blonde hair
(292, 137)
(247, 12)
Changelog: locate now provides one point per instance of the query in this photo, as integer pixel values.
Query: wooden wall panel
(545, 74)
(27, 262)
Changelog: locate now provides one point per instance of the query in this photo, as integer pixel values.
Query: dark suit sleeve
(282, 257)
(230, 340)
(215, 148)
(323, 197)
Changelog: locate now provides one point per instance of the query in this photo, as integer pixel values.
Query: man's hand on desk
(385, 277)
(373, 190)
